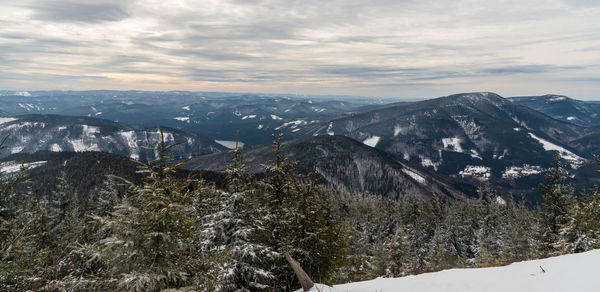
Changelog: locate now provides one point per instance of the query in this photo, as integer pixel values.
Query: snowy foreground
(575, 272)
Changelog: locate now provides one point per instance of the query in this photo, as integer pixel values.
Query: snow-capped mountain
(351, 165)
(31, 133)
(563, 108)
(479, 136)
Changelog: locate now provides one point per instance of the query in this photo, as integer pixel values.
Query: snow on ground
(570, 118)
(130, 139)
(500, 200)
(249, 117)
(428, 162)
(229, 144)
(398, 129)
(479, 172)
(186, 108)
(574, 272)
(521, 171)
(293, 124)
(329, 131)
(55, 148)
(475, 154)
(183, 119)
(452, 142)
(277, 118)
(414, 175)
(260, 126)
(557, 98)
(13, 166)
(567, 155)
(372, 141)
(6, 120)
(22, 93)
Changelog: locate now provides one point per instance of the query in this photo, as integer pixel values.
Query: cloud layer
(379, 47)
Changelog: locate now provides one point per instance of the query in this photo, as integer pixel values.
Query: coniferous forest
(183, 233)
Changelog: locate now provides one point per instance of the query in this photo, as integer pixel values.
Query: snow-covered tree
(230, 229)
(555, 212)
(150, 242)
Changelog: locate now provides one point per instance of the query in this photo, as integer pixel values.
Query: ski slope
(574, 272)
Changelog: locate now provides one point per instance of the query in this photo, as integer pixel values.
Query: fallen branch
(303, 278)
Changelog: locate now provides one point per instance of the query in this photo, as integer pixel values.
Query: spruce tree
(555, 212)
(520, 241)
(299, 221)
(150, 242)
(231, 229)
(397, 254)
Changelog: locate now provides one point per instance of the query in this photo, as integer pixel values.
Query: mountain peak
(475, 98)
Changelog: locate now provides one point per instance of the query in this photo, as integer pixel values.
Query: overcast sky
(399, 48)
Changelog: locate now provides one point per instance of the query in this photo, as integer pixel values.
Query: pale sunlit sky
(382, 48)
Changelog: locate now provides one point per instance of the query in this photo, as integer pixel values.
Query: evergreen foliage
(555, 213)
(150, 242)
(231, 229)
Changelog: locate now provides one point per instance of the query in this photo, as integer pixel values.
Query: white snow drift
(575, 272)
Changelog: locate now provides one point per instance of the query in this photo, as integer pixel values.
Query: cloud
(377, 47)
(79, 11)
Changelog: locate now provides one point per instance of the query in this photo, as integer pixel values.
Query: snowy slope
(575, 272)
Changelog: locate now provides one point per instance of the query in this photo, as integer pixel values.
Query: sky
(401, 48)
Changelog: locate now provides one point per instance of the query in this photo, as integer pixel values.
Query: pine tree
(555, 213)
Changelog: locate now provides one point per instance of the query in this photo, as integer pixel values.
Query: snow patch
(260, 127)
(329, 131)
(398, 129)
(129, 137)
(475, 155)
(275, 117)
(22, 93)
(186, 108)
(229, 144)
(414, 175)
(372, 141)
(500, 200)
(55, 148)
(249, 117)
(293, 124)
(521, 171)
(183, 119)
(574, 160)
(557, 98)
(476, 171)
(570, 118)
(454, 143)
(6, 120)
(13, 166)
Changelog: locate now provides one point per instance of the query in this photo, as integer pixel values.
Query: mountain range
(446, 146)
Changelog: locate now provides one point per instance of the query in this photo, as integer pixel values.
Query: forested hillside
(159, 230)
